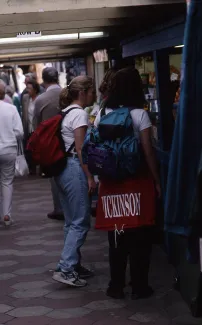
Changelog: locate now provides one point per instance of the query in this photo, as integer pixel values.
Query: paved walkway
(30, 250)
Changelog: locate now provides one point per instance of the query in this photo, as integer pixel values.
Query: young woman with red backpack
(75, 183)
(133, 239)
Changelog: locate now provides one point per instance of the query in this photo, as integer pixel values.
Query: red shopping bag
(127, 204)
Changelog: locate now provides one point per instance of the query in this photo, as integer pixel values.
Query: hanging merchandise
(187, 142)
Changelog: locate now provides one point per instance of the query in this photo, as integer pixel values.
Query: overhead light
(91, 35)
(178, 46)
(45, 38)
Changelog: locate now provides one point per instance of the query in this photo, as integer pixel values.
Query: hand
(158, 190)
(91, 185)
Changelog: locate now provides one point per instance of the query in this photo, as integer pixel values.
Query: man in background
(47, 106)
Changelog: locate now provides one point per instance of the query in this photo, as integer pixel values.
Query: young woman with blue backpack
(119, 150)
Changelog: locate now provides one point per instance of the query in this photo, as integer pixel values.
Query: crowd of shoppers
(73, 188)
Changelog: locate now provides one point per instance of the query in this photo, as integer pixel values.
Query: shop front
(158, 57)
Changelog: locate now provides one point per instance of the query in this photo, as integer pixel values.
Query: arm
(17, 126)
(79, 135)
(37, 114)
(97, 119)
(146, 142)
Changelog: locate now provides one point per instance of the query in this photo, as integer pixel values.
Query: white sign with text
(28, 34)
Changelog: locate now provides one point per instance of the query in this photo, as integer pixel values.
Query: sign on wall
(28, 34)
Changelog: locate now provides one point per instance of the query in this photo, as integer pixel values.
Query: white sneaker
(69, 278)
(7, 221)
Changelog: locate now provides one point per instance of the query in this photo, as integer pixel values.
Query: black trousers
(135, 244)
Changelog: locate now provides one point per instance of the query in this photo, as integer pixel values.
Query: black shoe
(84, 273)
(56, 216)
(143, 294)
(115, 293)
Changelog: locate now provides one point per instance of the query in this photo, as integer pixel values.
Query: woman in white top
(75, 183)
(33, 90)
(126, 90)
(11, 131)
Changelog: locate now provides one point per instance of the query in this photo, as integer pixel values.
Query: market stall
(161, 76)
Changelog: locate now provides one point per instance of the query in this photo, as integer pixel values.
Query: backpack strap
(67, 112)
(103, 112)
(71, 147)
(63, 116)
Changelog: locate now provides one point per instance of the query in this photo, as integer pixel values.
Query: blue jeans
(73, 191)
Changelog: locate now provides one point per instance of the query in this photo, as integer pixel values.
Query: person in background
(28, 77)
(7, 98)
(24, 100)
(20, 80)
(15, 98)
(126, 90)
(47, 106)
(75, 184)
(11, 131)
(33, 91)
(28, 107)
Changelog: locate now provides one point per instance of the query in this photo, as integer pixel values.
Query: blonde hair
(76, 85)
(63, 102)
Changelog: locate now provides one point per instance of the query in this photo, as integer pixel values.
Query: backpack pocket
(116, 124)
(102, 161)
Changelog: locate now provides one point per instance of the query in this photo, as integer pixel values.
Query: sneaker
(69, 278)
(7, 221)
(84, 273)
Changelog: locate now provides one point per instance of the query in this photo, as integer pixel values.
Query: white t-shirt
(31, 108)
(74, 119)
(140, 117)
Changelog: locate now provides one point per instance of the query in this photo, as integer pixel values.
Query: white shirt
(31, 108)
(140, 118)
(11, 128)
(72, 121)
(8, 100)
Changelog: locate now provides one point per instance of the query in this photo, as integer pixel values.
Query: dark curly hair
(125, 89)
(35, 86)
(106, 81)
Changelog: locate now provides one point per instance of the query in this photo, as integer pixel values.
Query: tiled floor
(30, 250)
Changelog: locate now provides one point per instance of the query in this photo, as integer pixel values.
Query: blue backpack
(112, 150)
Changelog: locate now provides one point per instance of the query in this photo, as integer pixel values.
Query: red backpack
(46, 146)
